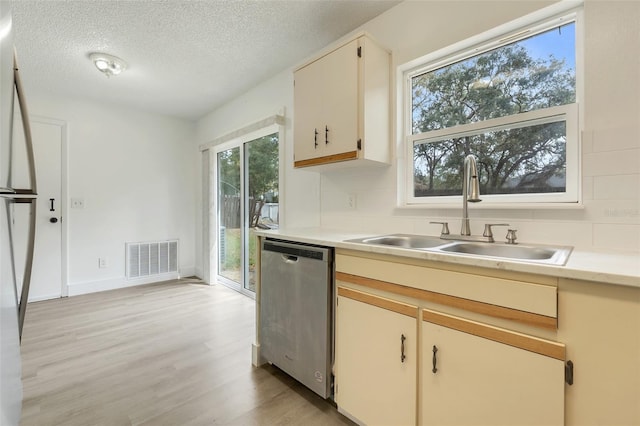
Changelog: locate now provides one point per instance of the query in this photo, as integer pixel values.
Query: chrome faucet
(470, 190)
(470, 194)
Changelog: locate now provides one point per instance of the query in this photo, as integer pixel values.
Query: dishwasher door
(295, 311)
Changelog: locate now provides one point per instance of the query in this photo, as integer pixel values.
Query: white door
(46, 277)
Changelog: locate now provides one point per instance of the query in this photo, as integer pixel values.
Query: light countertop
(619, 268)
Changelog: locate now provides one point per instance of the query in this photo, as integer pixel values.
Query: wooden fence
(230, 217)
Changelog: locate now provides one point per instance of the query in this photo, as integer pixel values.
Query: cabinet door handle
(435, 350)
(402, 355)
(568, 372)
(315, 138)
(326, 135)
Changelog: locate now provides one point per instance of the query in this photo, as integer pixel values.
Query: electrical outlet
(102, 262)
(351, 201)
(77, 203)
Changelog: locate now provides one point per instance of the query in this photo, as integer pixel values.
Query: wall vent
(153, 258)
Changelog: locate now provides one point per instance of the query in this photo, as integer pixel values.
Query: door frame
(240, 143)
(275, 123)
(64, 191)
(215, 213)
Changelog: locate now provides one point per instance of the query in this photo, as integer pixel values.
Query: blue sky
(559, 42)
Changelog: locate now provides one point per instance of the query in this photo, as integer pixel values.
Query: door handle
(52, 208)
(53, 220)
(402, 355)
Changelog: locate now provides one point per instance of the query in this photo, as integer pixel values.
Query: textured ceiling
(185, 58)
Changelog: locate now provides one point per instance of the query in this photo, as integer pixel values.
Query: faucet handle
(487, 229)
(511, 236)
(445, 227)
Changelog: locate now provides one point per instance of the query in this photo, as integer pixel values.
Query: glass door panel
(229, 216)
(260, 198)
(247, 194)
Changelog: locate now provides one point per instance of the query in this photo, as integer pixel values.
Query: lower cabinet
(376, 359)
(497, 359)
(461, 372)
(475, 374)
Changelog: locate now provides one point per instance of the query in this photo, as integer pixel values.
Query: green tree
(229, 171)
(498, 83)
(263, 166)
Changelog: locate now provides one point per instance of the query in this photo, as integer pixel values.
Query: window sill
(493, 206)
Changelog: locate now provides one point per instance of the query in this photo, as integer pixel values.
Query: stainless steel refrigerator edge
(296, 311)
(12, 305)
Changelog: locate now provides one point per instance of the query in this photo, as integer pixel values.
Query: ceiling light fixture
(108, 64)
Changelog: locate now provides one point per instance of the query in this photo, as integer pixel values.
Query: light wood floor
(174, 353)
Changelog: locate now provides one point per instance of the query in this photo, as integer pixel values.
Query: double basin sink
(529, 253)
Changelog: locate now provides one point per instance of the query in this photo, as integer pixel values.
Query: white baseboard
(47, 297)
(189, 271)
(86, 287)
(197, 271)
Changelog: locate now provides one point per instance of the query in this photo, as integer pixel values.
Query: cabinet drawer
(539, 299)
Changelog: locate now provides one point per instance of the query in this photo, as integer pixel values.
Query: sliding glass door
(247, 194)
(229, 216)
(261, 195)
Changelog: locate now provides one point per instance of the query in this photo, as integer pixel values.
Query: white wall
(134, 171)
(610, 218)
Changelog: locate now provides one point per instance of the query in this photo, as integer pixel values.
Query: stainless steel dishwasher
(296, 311)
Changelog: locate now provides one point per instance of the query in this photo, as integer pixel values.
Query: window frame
(521, 28)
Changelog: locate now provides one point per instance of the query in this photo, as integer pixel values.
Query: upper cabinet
(341, 106)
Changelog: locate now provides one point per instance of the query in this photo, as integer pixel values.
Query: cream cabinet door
(326, 105)
(340, 101)
(376, 359)
(308, 122)
(472, 380)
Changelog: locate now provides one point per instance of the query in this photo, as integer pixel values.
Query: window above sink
(510, 98)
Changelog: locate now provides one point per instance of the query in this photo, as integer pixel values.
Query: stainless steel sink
(517, 252)
(402, 240)
(537, 254)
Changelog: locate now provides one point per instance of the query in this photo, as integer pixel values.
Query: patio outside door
(247, 195)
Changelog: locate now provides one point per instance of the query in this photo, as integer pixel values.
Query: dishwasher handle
(293, 252)
(289, 258)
